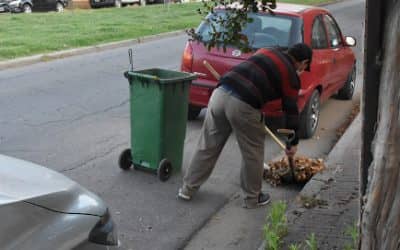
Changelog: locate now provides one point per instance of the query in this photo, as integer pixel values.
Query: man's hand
(291, 152)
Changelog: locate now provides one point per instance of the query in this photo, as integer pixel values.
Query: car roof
(292, 8)
(285, 8)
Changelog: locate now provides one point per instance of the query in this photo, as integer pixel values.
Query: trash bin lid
(161, 76)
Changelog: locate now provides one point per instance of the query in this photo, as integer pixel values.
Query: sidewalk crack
(81, 117)
(95, 157)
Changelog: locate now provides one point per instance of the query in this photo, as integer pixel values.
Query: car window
(333, 31)
(319, 40)
(265, 30)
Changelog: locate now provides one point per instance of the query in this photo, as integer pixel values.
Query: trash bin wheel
(164, 170)
(125, 159)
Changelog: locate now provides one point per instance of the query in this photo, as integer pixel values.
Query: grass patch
(353, 233)
(24, 35)
(311, 242)
(276, 227)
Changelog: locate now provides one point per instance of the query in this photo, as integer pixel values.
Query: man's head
(302, 56)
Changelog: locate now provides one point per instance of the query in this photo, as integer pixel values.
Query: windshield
(265, 30)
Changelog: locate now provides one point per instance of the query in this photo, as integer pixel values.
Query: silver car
(42, 209)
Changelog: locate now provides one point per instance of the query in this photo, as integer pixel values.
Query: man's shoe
(263, 199)
(183, 195)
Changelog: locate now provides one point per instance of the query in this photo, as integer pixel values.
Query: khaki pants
(226, 114)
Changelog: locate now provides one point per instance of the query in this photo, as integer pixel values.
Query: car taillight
(187, 58)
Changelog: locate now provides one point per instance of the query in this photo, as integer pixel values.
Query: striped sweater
(266, 76)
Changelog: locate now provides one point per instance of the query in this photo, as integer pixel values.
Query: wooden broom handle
(276, 139)
(212, 70)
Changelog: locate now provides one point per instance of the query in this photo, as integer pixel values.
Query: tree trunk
(380, 218)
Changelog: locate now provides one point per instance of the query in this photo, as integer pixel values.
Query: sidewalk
(332, 197)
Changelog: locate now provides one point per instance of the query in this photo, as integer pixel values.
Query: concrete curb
(84, 50)
(319, 181)
(329, 2)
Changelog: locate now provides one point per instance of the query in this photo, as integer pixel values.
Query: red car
(333, 68)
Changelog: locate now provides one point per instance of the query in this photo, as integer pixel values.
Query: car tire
(118, 4)
(309, 118)
(59, 7)
(193, 112)
(347, 91)
(26, 8)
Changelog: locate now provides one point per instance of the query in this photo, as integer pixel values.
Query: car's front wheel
(26, 8)
(309, 118)
(59, 7)
(347, 91)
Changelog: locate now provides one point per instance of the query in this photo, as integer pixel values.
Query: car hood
(25, 181)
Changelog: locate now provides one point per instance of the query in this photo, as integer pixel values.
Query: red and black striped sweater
(266, 76)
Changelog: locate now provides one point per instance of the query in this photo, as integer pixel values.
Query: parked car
(104, 3)
(4, 6)
(128, 2)
(17, 6)
(333, 68)
(119, 3)
(27, 6)
(44, 210)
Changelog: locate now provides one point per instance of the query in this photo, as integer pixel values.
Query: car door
(322, 57)
(338, 51)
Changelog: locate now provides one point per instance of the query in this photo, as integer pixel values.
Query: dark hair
(301, 52)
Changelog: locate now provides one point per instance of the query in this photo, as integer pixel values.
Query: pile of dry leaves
(304, 168)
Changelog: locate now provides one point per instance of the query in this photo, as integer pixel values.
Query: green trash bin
(158, 106)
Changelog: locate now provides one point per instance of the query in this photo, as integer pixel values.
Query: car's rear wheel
(193, 112)
(27, 8)
(309, 118)
(59, 7)
(347, 91)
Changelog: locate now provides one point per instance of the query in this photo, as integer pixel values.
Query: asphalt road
(72, 115)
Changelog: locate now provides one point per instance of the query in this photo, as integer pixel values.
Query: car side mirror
(350, 41)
